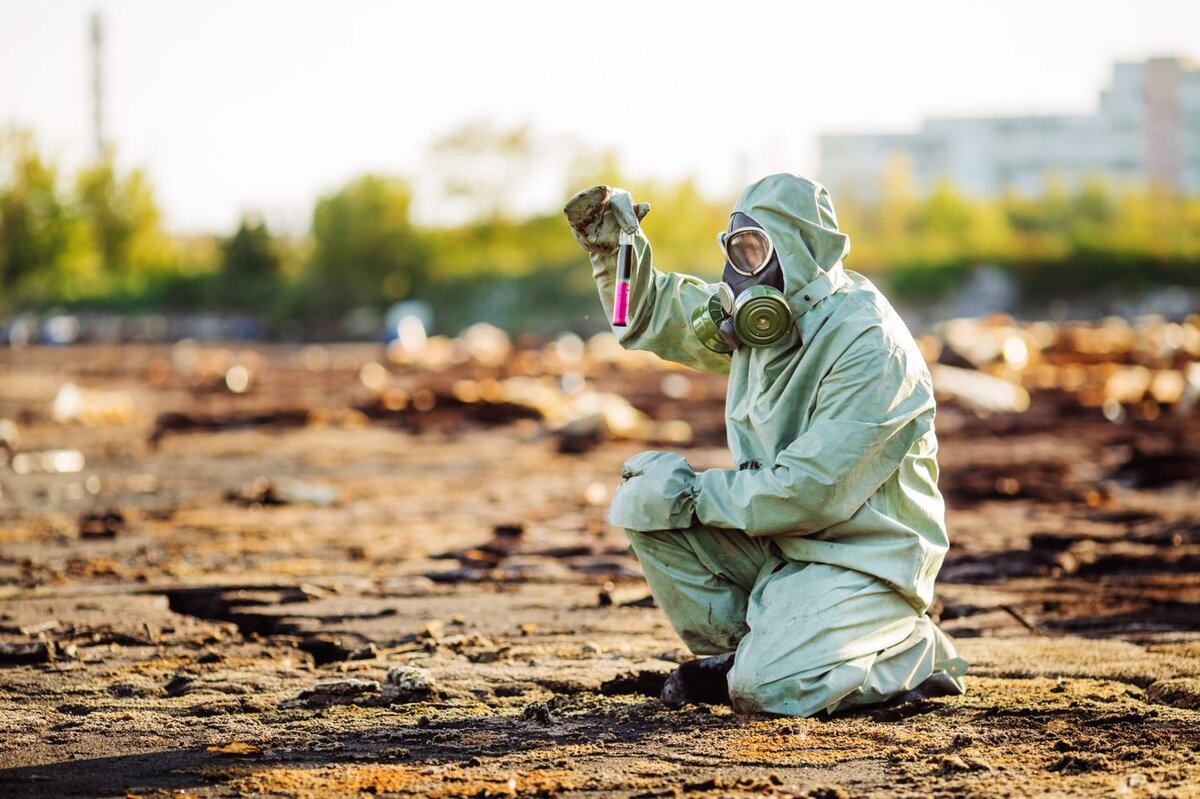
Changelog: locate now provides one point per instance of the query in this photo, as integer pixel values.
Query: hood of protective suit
(799, 215)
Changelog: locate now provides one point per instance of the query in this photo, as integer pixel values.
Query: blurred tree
(366, 251)
(250, 253)
(896, 212)
(526, 271)
(587, 167)
(1094, 203)
(35, 224)
(480, 170)
(1039, 225)
(250, 266)
(941, 226)
(683, 226)
(948, 226)
(118, 211)
(502, 253)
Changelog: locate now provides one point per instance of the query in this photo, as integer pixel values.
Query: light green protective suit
(815, 559)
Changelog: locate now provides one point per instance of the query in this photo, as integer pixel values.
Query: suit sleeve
(660, 310)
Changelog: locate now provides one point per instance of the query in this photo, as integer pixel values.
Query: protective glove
(658, 493)
(599, 214)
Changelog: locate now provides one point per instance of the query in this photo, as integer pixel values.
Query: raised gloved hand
(599, 214)
(658, 493)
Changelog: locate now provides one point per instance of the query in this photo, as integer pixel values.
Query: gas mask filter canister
(761, 316)
(752, 311)
(708, 318)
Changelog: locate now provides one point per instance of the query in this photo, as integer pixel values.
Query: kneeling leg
(702, 579)
(824, 638)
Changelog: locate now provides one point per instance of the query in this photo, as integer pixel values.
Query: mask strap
(825, 284)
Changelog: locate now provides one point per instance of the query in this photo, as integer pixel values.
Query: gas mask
(748, 307)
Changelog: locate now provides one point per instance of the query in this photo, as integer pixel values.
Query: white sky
(264, 104)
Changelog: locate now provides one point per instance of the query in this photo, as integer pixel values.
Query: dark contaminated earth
(326, 576)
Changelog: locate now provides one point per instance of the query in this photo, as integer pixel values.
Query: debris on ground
(460, 620)
(236, 749)
(336, 692)
(52, 461)
(283, 491)
(10, 435)
(36, 652)
(409, 683)
(104, 523)
(332, 649)
(90, 407)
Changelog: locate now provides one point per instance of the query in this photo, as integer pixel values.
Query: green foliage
(99, 243)
(501, 247)
(523, 275)
(250, 253)
(366, 251)
(549, 300)
(35, 225)
(251, 268)
(118, 212)
(1061, 243)
(683, 225)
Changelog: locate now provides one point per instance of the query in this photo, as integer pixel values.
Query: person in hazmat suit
(802, 576)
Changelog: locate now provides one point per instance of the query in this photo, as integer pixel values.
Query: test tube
(624, 280)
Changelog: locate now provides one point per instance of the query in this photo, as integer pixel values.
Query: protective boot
(704, 680)
(937, 685)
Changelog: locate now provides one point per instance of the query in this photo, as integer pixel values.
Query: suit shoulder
(865, 306)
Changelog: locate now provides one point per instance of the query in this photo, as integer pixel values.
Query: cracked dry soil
(461, 622)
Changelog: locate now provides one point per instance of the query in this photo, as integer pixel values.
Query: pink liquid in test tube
(624, 280)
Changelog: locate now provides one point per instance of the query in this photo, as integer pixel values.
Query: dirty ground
(311, 572)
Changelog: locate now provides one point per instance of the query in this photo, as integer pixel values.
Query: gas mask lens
(747, 249)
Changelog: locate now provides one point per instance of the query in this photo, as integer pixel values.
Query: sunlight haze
(235, 107)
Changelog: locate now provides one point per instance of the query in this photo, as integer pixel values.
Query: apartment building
(1146, 130)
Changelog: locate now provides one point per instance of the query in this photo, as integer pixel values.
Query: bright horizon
(236, 107)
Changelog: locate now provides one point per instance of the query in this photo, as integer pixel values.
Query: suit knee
(635, 537)
(752, 691)
(744, 688)
(653, 542)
